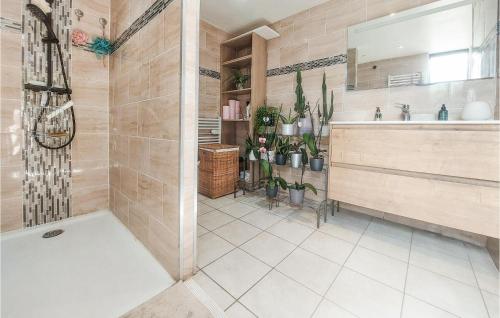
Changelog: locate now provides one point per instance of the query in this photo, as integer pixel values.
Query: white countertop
(418, 122)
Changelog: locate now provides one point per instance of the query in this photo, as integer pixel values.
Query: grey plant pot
(280, 159)
(296, 159)
(305, 125)
(288, 129)
(297, 196)
(316, 164)
(272, 193)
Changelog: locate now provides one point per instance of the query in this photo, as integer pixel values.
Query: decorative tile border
(324, 62)
(47, 173)
(209, 73)
(140, 22)
(10, 25)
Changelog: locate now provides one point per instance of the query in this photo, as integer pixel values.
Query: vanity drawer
(460, 153)
(467, 207)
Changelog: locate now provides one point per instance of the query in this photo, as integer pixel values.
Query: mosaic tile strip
(10, 25)
(209, 73)
(324, 62)
(47, 173)
(157, 7)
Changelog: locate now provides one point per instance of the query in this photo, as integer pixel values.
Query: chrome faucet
(405, 111)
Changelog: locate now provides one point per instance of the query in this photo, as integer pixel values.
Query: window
(449, 66)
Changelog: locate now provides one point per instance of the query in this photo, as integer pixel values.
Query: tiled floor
(256, 262)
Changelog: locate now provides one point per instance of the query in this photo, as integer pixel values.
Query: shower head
(40, 15)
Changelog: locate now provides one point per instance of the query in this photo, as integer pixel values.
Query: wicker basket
(218, 169)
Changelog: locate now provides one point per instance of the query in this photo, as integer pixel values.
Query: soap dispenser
(378, 114)
(443, 113)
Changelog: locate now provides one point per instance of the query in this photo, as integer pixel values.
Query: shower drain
(53, 233)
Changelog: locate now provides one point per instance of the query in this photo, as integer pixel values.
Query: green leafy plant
(252, 145)
(289, 119)
(265, 116)
(239, 78)
(303, 185)
(283, 146)
(301, 107)
(312, 143)
(297, 146)
(327, 112)
(272, 181)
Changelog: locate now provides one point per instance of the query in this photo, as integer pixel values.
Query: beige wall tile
(11, 217)
(139, 82)
(89, 173)
(11, 47)
(129, 119)
(128, 186)
(11, 147)
(90, 146)
(139, 222)
(150, 196)
(121, 207)
(90, 199)
(92, 119)
(164, 73)
(11, 82)
(10, 112)
(11, 180)
(164, 160)
(139, 154)
(159, 117)
(12, 9)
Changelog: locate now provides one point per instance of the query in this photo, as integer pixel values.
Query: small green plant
(272, 181)
(303, 185)
(265, 116)
(283, 146)
(327, 113)
(289, 120)
(301, 107)
(297, 146)
(312, 143)
(239, 79)
(252, 145)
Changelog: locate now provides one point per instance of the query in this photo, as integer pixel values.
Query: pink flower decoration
(262, 140)
(262, 149)
(79, 37)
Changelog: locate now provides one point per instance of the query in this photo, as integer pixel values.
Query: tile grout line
(341, 268)
(406, 276)
(477, 282)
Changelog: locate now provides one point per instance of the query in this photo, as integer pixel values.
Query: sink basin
(352, 116)
(423, 117)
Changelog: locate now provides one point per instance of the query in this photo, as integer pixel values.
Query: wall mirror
(447, 40)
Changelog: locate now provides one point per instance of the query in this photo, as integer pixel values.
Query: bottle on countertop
(378, 114)
(443, 113)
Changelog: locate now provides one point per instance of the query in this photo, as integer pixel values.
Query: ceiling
(237, 16)
(433, 32)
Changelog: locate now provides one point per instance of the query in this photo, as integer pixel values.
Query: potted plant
(252, 148)
(269, 141)
(282, 150)
(297, 190)
(272, 183)
(327, 113)
(301, 107)
(288, 124)
(296, 154)
(239, 79)
(317, 161)
(265, 116)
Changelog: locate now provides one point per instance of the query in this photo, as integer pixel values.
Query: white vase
(305, 126)
(287, 129)
(251, 156)
(476, 111)
(271, 155)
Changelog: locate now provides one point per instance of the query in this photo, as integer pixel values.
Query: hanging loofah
(100, 46)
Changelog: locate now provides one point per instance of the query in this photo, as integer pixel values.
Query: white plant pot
(251, 156)
(296, 159)
(271, 154)
(305, 126)
(288, 129)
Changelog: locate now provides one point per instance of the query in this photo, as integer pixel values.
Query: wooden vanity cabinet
(441, 174)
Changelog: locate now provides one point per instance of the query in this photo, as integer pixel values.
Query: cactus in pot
(301, 107)
(326, 114)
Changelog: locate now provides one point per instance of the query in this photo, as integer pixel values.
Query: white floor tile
(445, 293)
(220, 202)
(305, 216)
(237, 232)
(204, 208)
(268, 248)
(291, 231)
(237, 209)
(210, 248)
(414, 308)
(327, 309)
(261, 218)
(390, 245)
(277, 296)
(384, 269)
(345, 225)
(284, 210)
(390, 229)
(486, 272)
(310, 270)
(439, 243)
(237, 310)
(492, 304)
(329, 247)
(236, 272)
(200, 230)
(202, 198)
(443, 263)
(214, 291)
(214, 219)
(365, 297)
